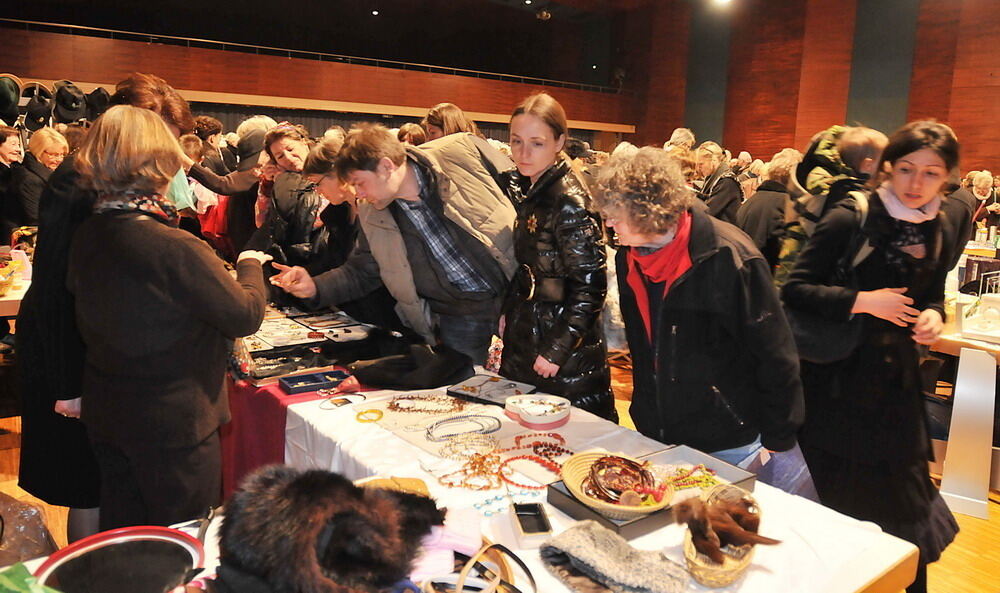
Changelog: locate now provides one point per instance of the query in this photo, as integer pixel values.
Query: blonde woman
(46, 150)
(157, 311)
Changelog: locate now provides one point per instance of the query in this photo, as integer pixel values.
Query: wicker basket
(736, 559)
(577, 467)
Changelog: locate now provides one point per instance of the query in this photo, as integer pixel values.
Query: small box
(311, 381)
(489, 389)
(560, 497)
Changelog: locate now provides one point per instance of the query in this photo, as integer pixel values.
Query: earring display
(488, 389)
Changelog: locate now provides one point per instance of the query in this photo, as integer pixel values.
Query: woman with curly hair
(713, 360)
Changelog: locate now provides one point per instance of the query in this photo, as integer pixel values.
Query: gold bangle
(365, 415)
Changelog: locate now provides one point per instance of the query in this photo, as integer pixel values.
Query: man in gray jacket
(436, 230)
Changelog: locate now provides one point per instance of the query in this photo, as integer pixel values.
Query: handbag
(822, 340)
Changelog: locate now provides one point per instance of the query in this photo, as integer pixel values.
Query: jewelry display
(486, 424)
(425, 403)
(500, 503)
(698, 476)
(488, 470)
(463, 446)
(610, 476)
(538, 411)
(370, 415)
(489, 389)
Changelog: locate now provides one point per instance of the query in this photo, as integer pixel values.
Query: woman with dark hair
(551, 322)
(158, 312)
(57, 464)
(447, 118)
(865, 437)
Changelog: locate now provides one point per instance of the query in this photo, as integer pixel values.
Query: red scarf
(665, 265)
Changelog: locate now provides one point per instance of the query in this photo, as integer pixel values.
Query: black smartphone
(532, 518)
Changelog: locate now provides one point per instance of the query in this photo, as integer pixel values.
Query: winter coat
(958, 208)
(554, 305)
(762, 217)
(722, 194)
(459, 170)
(24, 193)
(869, 406)
(722, 367)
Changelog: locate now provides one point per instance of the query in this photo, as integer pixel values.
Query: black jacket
(722, 193)
(982, 214)
(762, 217)
(561, 249)
(868, 407)
(722, 367)
(958, 208)
(221, 162)
(26, 185)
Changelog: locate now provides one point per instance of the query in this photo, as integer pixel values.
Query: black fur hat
(317, 532)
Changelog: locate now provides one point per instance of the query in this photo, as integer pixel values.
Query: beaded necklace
(428, 404)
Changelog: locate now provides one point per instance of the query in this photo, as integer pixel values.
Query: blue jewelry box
(311, 381)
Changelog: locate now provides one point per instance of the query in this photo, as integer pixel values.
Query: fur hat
(317, 532)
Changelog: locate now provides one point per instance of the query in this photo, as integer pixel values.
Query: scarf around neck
(153, 205)
(899, 211)
(665, 265)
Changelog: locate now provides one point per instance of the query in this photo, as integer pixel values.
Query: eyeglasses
(54, 155)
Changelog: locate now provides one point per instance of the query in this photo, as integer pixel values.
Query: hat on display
(39, 107)
(71, 103)
(10, 95)
(97, 103)
(249, 149)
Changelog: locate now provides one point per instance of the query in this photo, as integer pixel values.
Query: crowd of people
(736, 280)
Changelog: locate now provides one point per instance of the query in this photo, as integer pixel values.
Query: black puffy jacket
(554, 304)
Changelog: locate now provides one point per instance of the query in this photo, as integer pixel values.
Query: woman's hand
(296, 281)
(69, 408)
(545, 368)
(260, 256)
(928, 327)
(887, 303)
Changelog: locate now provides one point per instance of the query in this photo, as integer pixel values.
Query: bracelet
(465, 446)
(366, 415)
(487, 425)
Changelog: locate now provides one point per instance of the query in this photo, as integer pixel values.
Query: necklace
(433, 404)
(487, 425)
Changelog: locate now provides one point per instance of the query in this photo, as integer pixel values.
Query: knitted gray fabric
(589, 558)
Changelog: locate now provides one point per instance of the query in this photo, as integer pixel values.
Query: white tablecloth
(822, 551)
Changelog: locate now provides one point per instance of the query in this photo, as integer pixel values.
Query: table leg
(965, 481)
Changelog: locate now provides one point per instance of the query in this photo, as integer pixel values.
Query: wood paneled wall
(934, 59)
(974, 110)
(765, 67)
(826, 68)
(662, 75)
(31, 54)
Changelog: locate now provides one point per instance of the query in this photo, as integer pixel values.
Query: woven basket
(736, 559)
(577, 467)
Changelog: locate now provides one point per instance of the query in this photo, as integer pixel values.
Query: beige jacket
(471, 199)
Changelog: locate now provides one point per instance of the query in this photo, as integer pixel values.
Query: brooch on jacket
(532, 224)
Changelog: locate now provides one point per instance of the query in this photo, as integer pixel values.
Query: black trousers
(144, 485)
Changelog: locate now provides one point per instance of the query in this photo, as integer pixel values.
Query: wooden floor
(970, 565)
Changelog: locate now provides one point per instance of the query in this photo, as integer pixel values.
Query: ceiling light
(374, 13)
(594, 67)
(722, 1)
(527, 1)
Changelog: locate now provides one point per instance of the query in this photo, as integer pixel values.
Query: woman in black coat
(865, 437)
(551, 326)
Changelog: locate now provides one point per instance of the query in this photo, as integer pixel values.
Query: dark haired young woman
(551, 322)
(865, 436)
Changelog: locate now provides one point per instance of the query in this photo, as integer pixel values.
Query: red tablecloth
(256, 434)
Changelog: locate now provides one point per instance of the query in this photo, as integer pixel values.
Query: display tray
(559, 496)
(312, 381)
(489, 389)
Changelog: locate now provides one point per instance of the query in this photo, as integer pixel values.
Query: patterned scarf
(153, 205)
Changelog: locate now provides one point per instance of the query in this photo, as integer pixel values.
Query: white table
(10, 303)
(823, 551)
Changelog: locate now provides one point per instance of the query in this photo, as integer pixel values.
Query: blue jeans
(469, 335)
(786, 470)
